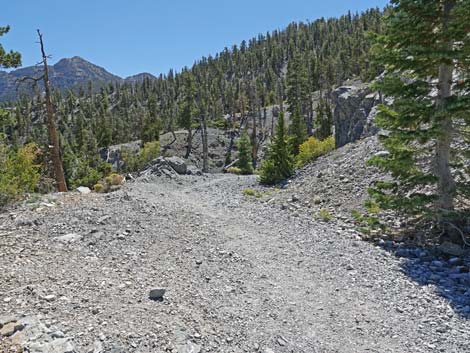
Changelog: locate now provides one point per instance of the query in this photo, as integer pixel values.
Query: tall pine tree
(425, 51)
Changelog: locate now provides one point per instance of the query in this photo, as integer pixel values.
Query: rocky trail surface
(240, 274)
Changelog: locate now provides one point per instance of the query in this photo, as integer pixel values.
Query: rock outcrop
(170, 167)
(354, 113)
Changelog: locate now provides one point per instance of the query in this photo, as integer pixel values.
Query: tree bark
(189, 143)
(205, 150)
(51, 126)
(446, 182)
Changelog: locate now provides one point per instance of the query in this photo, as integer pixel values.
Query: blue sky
(128, 37)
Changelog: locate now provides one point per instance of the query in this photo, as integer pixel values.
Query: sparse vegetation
(325, 215)
(252, 192)
(314, 148)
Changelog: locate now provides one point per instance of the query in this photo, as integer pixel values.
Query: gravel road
(241, 275)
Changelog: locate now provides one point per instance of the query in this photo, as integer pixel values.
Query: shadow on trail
(449, 275)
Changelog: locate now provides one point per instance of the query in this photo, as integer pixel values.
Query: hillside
(67, 74)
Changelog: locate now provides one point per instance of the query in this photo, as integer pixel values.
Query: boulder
(83, 190)
(157, 294)
(178, 165)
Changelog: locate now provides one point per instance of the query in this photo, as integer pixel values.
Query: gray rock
(60, 345)
(69, 238)
(354, 112)
(178, 165)
(189, 347)
(382, 154)
(157, 294)
(83, 190)
(11, 328)
(452, 249)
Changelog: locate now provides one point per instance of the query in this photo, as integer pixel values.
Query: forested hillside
(240, 81)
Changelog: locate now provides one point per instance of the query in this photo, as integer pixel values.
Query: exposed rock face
(112, 154)
(354, 113)
(170, 167)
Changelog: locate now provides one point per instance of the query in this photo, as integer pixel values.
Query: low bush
(19, 172)
(314, 148)
(149, 152)
(252, 193)
(234, 170)
(325, 215)
(110, 183)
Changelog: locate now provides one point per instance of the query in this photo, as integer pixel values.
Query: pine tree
(324, 120)
(425, 51)
(10, 59)
(298, 131)
(297, 84)
(245, 161)
(279, 163)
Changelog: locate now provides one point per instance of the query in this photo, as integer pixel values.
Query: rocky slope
(240, 274)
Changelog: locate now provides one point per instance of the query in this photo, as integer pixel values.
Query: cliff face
(354, 113)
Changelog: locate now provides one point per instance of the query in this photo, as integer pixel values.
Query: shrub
(234, 170)
(19, 172)
(98, 187)
(220, 123)
(149, 152)
(325, 215)
(314, 148)
(251, 192)
(115, 179)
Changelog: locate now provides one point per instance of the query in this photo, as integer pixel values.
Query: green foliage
(314, 148)
(423, 40)
(19, 172)
(279, 163)
(99, 187)
(324, 120)
(245, 161)
(110, 183)
(252, 193)
(149, 152)
(10, 59)
(298, 131)
(151, 130)
(325, 215)
(297, 85)
(234, 170)
(220, 123)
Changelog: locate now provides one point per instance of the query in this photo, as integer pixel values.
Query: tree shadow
(449, 275)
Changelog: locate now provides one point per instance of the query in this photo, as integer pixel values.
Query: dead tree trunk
(51, 127)
(205, 150)
(189, 143)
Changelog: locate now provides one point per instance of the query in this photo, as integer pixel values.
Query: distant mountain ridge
(67, 73)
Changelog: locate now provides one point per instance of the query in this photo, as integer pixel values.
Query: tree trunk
(310, 117)
(51, 126)
(254, 141)
(189, 143)
(205, 150)
(446, 182)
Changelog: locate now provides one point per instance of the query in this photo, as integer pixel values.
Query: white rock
(83, 190)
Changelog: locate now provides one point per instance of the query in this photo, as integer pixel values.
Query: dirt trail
(241, 276)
